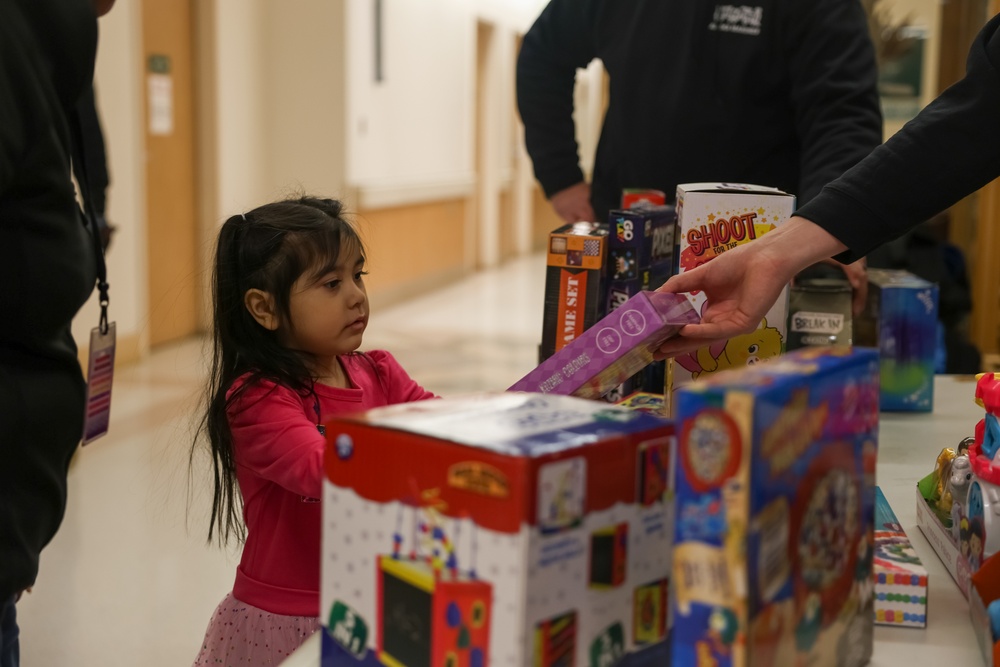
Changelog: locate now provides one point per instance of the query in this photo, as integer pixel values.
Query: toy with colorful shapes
(568, 499)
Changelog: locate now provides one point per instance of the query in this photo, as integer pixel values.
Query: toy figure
(942, 472)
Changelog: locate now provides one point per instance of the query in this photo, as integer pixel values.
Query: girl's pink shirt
(279, 465)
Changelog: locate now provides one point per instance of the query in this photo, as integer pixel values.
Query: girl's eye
(360, 274)
(333, 284)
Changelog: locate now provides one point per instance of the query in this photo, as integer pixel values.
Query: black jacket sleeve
(562, 39)
(834, 94)
(951, 149)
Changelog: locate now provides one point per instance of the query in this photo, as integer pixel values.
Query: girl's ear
(261, 307)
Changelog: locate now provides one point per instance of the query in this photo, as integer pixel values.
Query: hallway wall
(288, 102)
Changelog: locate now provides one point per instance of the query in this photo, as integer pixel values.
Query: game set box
(900, 319)
(575, 284)
(613, 350)
(711, 219)
(775, 496)
(500, 529)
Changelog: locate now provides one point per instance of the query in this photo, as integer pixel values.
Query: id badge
(100, 372)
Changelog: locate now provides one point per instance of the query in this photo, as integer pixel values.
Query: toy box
(959, 501)
(614, 349)
(635, 197)
(900, 319)
(775, 495)
(502, 529)
(640, 257)
(900, 577)
(640, 251)
(984, 609)
(575, 296)
(712, 218)
(643, 400)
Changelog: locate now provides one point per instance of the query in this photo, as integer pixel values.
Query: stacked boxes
(640, 257)
(900, 319)
(614, 349)
(900, 577)
(713, 218)
(504, 529)
(775, 497)
(574, 284)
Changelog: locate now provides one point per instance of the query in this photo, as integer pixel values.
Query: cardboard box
(775, 496)
(612, 350)
(900, 577)
(575, 287)
(503, 529)
(640, 251)
(900, 319)
(713, 218)
(985, 589)
(640, 257)
(643, 400)
(941, 538)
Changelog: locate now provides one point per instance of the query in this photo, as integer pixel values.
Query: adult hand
(857, 276)
(573, 203)
(742, 284)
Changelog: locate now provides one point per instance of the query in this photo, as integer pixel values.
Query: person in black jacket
(951, 149)
(47, 53)
(773, 92)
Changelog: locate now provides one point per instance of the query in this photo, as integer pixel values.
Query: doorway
(169, 135)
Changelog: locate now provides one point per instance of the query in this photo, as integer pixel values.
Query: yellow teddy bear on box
(759, 345)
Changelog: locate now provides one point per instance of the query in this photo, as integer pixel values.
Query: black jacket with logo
(775, 92)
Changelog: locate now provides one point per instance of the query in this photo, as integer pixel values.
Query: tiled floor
(129, 580)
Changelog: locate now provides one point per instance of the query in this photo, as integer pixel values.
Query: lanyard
(90, 216)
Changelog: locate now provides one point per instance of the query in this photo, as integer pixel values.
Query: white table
(908, 446)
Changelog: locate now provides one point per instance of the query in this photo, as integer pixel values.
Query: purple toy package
(612, 350)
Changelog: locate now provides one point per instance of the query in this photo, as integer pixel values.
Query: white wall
(293, 105)
(415, 130)
(240, 103)
(304, 97)
(117, 80)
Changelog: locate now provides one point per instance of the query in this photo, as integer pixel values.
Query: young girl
(290, 309)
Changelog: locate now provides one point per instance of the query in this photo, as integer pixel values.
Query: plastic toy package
(775, 497)
(499, 529)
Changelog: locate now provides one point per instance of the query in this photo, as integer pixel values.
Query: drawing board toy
(711, 219)
(775, 496)
(900, 319)
(498, 529)
(614, 349)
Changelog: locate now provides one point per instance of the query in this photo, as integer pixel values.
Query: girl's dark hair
(268, 248)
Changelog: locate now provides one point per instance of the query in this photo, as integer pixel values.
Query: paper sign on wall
(161, 103)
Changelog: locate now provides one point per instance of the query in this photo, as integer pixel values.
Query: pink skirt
(240, 635)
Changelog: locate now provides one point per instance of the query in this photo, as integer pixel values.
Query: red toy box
(504, 529)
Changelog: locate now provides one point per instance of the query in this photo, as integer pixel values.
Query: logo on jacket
(741, 19)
